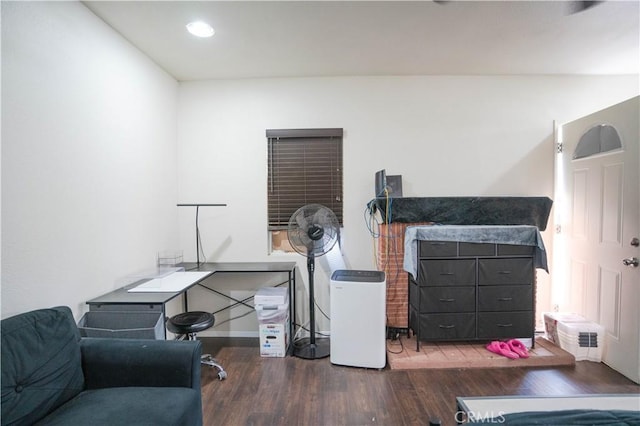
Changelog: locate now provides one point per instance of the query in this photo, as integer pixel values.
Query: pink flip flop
(501, 348)
(518, 347)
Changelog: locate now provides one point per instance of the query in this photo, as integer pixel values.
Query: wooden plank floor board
(294, 391)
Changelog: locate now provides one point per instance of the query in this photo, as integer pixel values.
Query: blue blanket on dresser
(495, 234)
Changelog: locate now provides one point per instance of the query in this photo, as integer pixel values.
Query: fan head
(313, 230)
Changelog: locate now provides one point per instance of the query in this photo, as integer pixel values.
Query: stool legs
(207, 359)
(211, 362)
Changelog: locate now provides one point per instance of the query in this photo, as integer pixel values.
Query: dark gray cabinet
(472, 291)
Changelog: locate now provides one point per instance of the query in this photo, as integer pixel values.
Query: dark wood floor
(294, 391)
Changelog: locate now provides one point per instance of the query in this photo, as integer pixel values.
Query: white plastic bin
(575, 334)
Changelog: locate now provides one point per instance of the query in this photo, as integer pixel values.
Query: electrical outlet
(556, 308)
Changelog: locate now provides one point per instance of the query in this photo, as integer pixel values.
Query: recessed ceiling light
(200, 29)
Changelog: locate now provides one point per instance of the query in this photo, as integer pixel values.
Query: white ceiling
(338, 38)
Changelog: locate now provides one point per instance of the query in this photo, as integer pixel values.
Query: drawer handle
(447, 326)
(505, 299)
(447, 300)
(437, 244)
(504, 272)
(505, 325)
(447, 273)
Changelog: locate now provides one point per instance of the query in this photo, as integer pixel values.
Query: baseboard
(229, 334)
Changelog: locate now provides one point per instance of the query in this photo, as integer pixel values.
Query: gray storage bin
(128, 325)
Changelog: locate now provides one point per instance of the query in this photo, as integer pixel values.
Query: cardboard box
(271, 296)
(272, 314)
(274, 339)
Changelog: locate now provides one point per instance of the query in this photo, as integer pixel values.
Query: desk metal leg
(291, 281)
(236, 301)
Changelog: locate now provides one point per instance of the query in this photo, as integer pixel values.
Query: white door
(601, 196)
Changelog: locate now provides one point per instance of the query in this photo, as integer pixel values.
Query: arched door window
(598, 139)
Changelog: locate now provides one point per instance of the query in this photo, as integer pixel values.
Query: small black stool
(190, 323)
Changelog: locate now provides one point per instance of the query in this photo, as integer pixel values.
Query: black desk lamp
(197, 206)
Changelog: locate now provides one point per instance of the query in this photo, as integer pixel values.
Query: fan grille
(313, 230)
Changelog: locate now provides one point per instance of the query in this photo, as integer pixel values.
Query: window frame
(304, 166)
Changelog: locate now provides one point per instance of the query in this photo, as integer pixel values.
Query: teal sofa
(52, 376)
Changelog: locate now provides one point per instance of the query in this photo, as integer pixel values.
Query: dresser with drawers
(472, 291)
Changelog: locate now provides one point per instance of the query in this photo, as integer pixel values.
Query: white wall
(91, 172)
(446, 135)
(88, 157)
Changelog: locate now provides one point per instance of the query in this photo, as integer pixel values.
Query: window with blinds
(304, 167)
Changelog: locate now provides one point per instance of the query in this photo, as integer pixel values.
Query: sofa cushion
(41, 366)
(140, 406)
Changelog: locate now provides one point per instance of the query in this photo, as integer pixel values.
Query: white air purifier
(358, 318)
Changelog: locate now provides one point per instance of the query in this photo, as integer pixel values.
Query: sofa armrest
(140, 362)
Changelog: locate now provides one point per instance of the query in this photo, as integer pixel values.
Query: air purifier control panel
(358, 276)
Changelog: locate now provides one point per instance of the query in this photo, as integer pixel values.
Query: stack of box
(575, 334)
(272, 309)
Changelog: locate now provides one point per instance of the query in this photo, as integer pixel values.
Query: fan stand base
(304, 349)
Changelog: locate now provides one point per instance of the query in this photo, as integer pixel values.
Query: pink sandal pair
(512, 349)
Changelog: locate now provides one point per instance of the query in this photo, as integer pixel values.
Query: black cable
(371, 218)
(401, 346)
(320, 309)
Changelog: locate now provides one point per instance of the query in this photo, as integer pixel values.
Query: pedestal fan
(313, 231)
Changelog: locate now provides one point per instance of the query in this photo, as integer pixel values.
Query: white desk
(175, 282)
